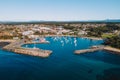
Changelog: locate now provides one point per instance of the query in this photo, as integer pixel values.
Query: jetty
(92, 49)
(33, 52)
(113, 50)
(16, 47)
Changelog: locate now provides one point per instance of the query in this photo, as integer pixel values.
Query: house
(81, 32)
(25, 33)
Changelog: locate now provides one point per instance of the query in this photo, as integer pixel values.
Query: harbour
(62, 60)
(60, 40)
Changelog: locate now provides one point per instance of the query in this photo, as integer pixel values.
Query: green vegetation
(113, 41)
(37, 33)
(110, 33)
(101, 31)
(6, 37)
(104, 35)
(69, 27)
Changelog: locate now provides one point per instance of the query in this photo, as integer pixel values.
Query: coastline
(92, 38)
(57, 35)
(15, 46)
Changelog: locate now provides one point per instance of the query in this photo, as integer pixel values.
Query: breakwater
(89, 50)
(16, 47)
(113, 50)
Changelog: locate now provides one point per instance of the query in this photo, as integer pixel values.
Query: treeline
(98, 31)
(113, 41)
(6, 37)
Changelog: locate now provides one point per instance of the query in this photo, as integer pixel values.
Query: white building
(27, 33)
(33, 36)
(82, 32)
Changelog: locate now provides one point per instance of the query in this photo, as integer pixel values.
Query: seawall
(16, 47)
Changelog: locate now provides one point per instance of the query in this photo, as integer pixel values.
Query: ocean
(62, 64)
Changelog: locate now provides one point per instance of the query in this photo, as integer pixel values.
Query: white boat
(34, 46)
(43, 40)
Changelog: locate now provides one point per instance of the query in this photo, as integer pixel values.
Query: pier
(92, 49)
(16, 47)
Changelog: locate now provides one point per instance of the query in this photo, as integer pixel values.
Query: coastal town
(59, 39)
(20, 34)
(19, 31)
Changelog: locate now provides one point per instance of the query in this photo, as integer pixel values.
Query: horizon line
(56, 20)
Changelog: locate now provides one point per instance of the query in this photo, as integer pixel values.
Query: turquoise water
(62, 64)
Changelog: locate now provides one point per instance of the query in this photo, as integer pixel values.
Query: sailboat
(75, 41)
(34, 46)
(26, 46)
(43, 40)
(55, 39)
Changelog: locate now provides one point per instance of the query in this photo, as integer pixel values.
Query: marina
(62, 60)
(59, 40)
(16, 46)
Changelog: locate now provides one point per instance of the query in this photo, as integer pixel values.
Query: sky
(59, 10)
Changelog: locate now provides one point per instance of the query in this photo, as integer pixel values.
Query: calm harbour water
(62, 64)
